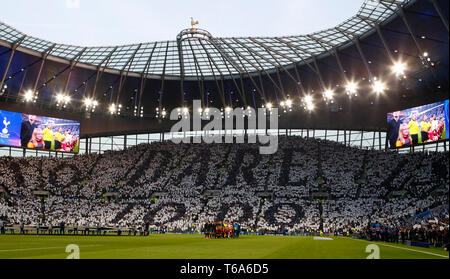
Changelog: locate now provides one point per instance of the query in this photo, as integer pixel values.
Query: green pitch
(197, 247)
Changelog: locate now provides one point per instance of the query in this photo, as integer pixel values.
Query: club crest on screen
(5, 130)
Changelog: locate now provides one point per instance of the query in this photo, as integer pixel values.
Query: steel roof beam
(411, 32)
(144, 80)
(72, 66)
(366, 19)
(375, 24)
(196, 64)
(315, 70)
(53, 78)
(269, 49)
(339, 62)
(391, 2)
(355, 39)
(108, 57)
(401, 13)
(163, 77)
(222, 97)
(273, 50)
(41, 67)
(131, 59)
(350, 35)
(250, 50)
(386, 47)
(239, 55)
(363, 58)
(123, 77)
(14, 47)
(251, 53)
(320, 42)
(100, 70)
(332, 53)
(249, 76)
(182, 70)
(224, 53)
(440, 13)
(322, 83)
(299, 82)
(293, 47)
(84, 83)
(227, 57)
(211, 62)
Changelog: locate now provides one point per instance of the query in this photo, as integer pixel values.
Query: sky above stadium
(115, 22)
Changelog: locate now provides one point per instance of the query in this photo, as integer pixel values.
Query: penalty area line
(403, 248)
(45, 248)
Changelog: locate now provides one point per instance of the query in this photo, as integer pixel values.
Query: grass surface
(197, 247)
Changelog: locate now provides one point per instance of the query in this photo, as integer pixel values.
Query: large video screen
(39, 132)
(418, 125)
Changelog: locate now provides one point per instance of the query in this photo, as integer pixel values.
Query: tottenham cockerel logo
(6, 123)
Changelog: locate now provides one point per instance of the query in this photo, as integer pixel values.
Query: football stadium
(326, 145)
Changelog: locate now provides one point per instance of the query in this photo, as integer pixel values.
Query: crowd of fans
(180, 187)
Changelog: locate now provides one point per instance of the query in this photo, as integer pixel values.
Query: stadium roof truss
(197, 54)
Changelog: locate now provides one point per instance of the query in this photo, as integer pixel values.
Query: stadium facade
(131, 89)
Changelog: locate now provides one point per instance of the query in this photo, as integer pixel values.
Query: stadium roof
(197, 54)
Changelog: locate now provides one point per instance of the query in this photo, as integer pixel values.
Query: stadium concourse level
(310, 185)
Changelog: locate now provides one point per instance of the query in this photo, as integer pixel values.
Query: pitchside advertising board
(39, 132)
(424, 124)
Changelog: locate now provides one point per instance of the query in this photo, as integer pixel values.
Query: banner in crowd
(428, 123)
(39, 132)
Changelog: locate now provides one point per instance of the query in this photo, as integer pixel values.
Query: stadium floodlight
(286, 104)
(308, 103)
(67, 99)
(59, 98)
(2, 91)
(378, 87)
(399, 68)
(112, 108)
(352, 88)
(328, 94)
(308, 99)
(87, 102)
(28, 96)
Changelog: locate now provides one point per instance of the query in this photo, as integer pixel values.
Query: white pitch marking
(322, 238)
(46, 248)
(403, 248)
